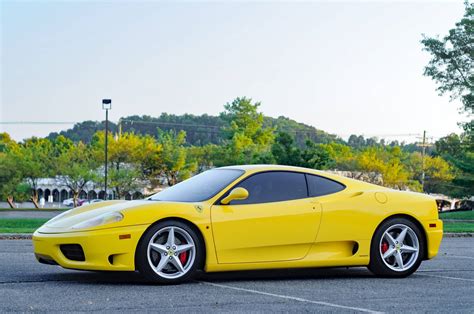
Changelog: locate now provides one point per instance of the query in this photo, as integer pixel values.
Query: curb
(458, 235)
(16, 236)
(28, 236)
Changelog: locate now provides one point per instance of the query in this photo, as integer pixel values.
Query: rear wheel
(397, 248)
(169, 252)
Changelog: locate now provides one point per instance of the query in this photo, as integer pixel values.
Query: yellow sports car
(248, 217)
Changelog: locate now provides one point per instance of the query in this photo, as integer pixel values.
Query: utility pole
(423, 146)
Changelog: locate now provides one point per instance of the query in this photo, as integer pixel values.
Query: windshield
(199, 188)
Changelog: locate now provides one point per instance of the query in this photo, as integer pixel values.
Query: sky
(342, 67)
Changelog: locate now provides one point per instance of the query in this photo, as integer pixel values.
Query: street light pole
(106, 105)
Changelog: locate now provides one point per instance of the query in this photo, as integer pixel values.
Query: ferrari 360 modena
(245, 218)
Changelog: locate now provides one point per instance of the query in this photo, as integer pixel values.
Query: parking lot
(445, 284)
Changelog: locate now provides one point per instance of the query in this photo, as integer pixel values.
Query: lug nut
(166, 254)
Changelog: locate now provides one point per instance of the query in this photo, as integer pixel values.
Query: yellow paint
(265, 232)
(311, 232)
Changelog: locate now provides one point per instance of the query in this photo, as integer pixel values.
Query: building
(52, 189)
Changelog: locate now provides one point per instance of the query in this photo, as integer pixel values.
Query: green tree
(450, 144)
(285, 151)
(175, 162)
(387, 162)
(451, 65)
(76, 167)
(125, 180)
(458, 152)
(317, 156)
(342, 156)
(130, 159)
(247, 138)
(206, 157)
(356, 141)
(148, 160)
(12, 186)
(6, 143)
(438, 172)
(35, 159)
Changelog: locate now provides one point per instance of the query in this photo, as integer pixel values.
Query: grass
(458, 227)
(20, 225)
(458, 215)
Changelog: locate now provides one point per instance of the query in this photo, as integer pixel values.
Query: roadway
(445, 284)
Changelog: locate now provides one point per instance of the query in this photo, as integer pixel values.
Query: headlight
(103, 219)
(59, 216)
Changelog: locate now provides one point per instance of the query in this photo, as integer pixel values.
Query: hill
(200, 129)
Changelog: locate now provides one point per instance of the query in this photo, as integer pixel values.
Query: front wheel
(169, 253)
(397, 248)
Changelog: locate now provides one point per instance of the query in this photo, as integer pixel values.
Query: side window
(275, 186)
(319, 186)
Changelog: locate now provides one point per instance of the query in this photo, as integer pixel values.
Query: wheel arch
(413, 220)
(185, 221)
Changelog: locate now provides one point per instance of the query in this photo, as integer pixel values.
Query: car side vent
(73, 252)
(355, 248)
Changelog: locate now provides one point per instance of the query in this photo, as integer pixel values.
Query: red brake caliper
(182, 257)
(384, 247)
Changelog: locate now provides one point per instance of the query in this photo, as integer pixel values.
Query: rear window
(318, 186)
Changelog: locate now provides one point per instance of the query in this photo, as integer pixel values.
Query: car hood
(65, 221)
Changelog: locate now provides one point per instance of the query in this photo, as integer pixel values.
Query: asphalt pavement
(445, 284)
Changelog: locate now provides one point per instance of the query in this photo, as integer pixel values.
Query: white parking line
(287, 297)
(446, 277)
(459, 256)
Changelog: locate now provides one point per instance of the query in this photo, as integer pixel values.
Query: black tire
(145, 256)
(385, 267)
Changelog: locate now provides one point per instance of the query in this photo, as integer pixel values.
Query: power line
(216, 129)
(37, 122)
(211, 128)
(171, 124)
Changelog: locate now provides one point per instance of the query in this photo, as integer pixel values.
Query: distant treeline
(205, 129)
(200, 129)
(144, 150)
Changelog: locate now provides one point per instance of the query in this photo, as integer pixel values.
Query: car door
(276, 222)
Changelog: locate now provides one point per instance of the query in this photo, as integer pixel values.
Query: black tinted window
(318, 186)
(273, 187)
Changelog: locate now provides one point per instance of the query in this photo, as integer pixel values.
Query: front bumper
(105, 249)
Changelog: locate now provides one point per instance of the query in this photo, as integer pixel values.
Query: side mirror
(235, 194)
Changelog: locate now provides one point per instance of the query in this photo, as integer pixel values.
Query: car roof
(346, 181)
(266, 167)
(262, 167)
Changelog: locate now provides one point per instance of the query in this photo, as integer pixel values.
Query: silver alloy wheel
(399, 247)
(171, 252)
